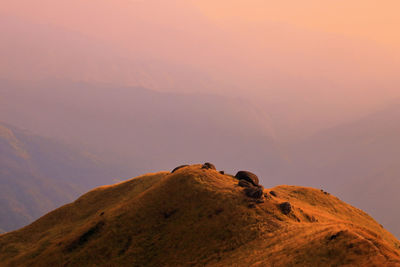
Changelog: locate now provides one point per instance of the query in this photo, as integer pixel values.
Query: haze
(308, 54)
(301, 76)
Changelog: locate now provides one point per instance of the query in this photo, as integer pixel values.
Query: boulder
(244, 183)
(285, 207)
(179, 167)
(254, 192)
(248, 176)
(273, 193)
(208, 165)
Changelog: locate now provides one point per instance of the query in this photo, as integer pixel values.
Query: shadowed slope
(200, 217)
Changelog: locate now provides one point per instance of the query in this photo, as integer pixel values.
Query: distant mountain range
(358, 161)
(200, 217)
(39, 174)
(144, 128)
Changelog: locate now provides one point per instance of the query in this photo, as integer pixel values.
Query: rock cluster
(251, 185)
(249, 181)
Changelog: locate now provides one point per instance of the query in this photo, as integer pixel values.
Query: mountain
(38, 174)
(198, 217)
(137, 127)
(359, 161)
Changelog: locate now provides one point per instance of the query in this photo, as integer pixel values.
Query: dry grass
(198, 217)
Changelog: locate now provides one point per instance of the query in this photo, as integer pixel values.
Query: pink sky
(307, 55)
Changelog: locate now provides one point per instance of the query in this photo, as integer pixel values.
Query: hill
(358, 161)
(197, 217)
(39, 174)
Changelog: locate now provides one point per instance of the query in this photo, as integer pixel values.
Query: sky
(367, 19)
(338, 57)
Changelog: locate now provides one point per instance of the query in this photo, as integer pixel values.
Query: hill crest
(197, 216)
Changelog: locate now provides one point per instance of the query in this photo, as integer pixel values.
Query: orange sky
(293, 37)
(370, 19)
(319, 54)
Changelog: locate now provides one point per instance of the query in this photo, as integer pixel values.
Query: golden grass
(197, 217)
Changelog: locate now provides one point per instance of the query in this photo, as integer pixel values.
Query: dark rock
(208, 165)
(244, 183)
(248, 176)
(169, 213)
(259, 201)
(326, 193)
(221, 172)
(273, 193)
(179, 167)
(254, 192)
(285, 207)
(218, 211)
(333, 237)
(267, 196)
(251, 205)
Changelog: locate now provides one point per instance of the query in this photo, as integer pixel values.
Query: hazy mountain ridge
(39, 174)
(200, 217)
(357, 161)
(145, 128)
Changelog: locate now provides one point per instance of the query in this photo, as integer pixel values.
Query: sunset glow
(183, 94)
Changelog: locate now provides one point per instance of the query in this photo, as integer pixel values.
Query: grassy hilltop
(197, 217)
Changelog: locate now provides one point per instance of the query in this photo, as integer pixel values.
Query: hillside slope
(197, 217)
(38, 174)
